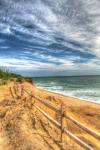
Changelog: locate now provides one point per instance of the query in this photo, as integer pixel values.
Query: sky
(50, 37)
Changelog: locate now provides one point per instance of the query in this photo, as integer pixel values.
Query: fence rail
(42, 101)
(57, 124)
(90, 131)
(60, 125)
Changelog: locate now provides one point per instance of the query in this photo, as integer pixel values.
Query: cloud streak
(41, 35)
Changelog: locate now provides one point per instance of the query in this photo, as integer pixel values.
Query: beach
(86, 113)
(81, 87)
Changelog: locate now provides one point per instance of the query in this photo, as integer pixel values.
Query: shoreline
(80, 99)
(84, 111)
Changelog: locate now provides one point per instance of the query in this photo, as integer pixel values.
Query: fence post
(22, 90)
(11, 92)
(14, 89)
(62, 115)
(31, 95)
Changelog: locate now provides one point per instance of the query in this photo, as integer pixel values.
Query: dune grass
(6, 76)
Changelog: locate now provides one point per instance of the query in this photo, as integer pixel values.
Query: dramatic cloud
(61, 37)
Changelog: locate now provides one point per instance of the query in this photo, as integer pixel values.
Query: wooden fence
(60, 124)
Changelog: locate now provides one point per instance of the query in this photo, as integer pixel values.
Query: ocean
(83, 87)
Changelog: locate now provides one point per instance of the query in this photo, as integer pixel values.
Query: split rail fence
(60, 124)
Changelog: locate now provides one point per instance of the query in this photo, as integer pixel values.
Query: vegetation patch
(6, 76)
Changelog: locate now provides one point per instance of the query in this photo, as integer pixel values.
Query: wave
(87, 88)
(83, 94)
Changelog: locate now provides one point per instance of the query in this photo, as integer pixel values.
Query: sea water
(83, 87)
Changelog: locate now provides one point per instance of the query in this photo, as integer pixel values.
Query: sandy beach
(87, 112)
(84, 112)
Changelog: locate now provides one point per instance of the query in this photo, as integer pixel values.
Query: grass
(6, 77)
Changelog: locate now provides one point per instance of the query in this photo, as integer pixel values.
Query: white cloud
(5, 29)
(73, 21)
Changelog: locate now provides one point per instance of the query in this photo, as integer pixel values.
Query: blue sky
(44, 37)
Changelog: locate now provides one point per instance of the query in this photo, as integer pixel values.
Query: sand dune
(22, 127)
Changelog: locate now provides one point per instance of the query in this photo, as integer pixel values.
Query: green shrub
(7, 76)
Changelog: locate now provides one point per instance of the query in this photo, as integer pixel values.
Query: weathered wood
(11, 92)
(90, 131)
(72, 136)
(44, 102)
(79, 141)
(21, 92)
(60, 125)
(57, 124)
(62, 115)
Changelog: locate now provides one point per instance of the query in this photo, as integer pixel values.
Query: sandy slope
(22, 127)
(86, 112)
